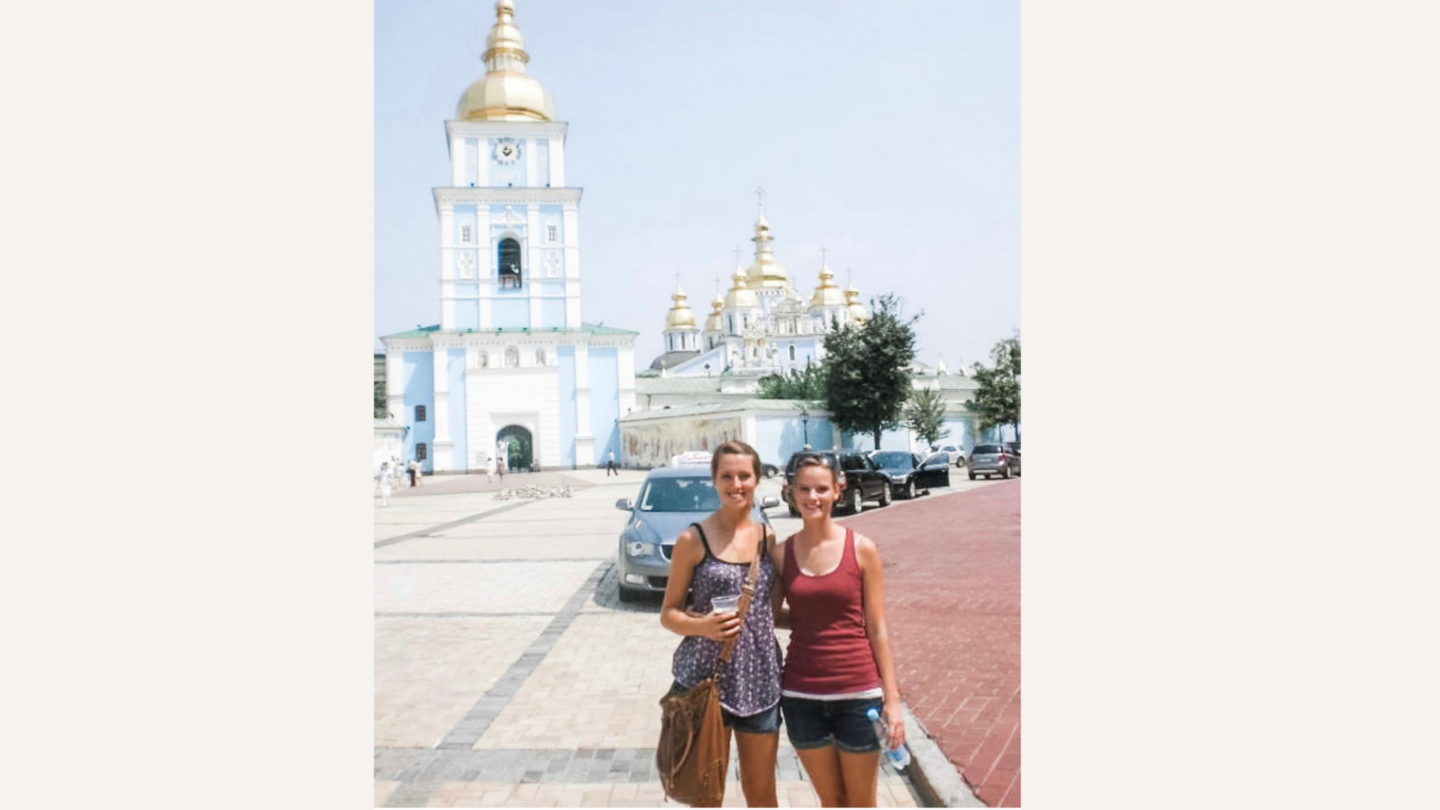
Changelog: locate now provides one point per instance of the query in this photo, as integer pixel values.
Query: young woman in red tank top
(839, 664)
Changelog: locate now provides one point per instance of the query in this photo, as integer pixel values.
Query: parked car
(863, 480)
(670, 499)
(909, 473)
(954, 451)
(993, 459)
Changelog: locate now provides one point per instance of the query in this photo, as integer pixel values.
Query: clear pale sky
(887, 133)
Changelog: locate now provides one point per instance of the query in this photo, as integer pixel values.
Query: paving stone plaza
(507, 673)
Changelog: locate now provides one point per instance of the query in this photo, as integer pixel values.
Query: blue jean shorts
(766, 722)
(841, 723)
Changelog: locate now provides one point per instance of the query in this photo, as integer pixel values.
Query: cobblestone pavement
(507, 673)
(953, 604)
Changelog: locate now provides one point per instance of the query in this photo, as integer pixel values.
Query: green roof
(597, 329)
(588, 328)
(414, 333)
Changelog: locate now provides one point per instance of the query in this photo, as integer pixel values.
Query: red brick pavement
(952, 598)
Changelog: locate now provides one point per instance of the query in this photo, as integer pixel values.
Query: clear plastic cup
(725, 604)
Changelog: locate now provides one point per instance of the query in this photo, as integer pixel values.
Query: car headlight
(636, 548)
(899, 479)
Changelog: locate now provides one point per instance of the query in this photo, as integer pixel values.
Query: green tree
(808, 384)
(925, 414)
(868, 379)
(997, 400)
(380, 412)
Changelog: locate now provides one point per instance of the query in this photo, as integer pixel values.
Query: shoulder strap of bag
(747, 593)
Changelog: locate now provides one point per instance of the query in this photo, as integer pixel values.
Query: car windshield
(987, 448)
(893, 458)
(679, 495)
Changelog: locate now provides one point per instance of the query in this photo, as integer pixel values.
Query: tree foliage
(868, 379)
(808, 384)
(997, 400)
(925, 414)
(380, 412)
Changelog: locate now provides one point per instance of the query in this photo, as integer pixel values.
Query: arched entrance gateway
(519, 446)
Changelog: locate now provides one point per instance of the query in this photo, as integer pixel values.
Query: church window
(792, 352)
(419, 413)
(510, 270)
(552, 233)
(539, 357)
(484, 359)
(512, 357)
(465, 234)
(420, 452)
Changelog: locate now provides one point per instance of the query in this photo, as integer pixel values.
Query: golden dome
(505, 92)
(765, 273)
(714, 323)
(857, 309)
(827, 294)
(680, 316)
(740, 295)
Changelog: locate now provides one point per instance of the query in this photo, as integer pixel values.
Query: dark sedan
(909, 474)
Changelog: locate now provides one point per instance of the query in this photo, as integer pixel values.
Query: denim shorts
(841, 723)
(766, 722)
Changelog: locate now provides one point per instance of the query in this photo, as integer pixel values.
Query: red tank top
(829, 652)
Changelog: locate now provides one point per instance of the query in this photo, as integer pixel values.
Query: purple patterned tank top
(751, 684)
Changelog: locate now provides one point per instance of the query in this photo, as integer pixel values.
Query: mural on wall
(653, 444)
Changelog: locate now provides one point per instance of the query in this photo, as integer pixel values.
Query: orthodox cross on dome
(823, 251)
(677, 281)
(760, 195)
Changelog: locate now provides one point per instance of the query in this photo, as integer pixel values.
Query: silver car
(670, 499)
(994, 459)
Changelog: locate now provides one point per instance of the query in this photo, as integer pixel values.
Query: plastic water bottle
(898, 757)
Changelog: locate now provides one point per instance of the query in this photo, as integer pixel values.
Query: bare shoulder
(687, 545)
(866, 551)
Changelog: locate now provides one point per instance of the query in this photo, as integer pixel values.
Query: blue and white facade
(761, 325)
(511, 355)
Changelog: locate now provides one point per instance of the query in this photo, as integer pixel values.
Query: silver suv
(956, 452)
(994, 459)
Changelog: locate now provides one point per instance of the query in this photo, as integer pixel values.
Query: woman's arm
(873, 583)
(683, 558)
(777, 589)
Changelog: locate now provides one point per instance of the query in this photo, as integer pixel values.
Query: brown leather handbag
(693, 753)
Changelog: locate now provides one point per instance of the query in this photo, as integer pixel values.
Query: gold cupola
(680, 316)
(740, 295)
(827, 294)
(714, 322)
(765, 273)
(857, 310)
(506, 92)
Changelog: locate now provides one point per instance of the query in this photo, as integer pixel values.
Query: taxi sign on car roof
(694, 458)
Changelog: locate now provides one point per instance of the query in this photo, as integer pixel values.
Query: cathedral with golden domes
(761, 325)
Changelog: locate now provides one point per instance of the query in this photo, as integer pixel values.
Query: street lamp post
(805, 421)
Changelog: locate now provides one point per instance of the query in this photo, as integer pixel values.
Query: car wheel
(857, 501)
(885, 495)
(1004, 472)
(628, 595)
(972, 475)
(909, 489)
(771, 470)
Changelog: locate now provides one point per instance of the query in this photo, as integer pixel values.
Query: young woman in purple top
(712, 558)
(839, 663)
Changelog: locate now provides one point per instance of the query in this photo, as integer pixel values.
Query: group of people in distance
(825, 584)
(390, 472)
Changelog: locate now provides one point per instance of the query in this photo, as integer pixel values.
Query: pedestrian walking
(489, 469)
(384, 483)
(500, 468)
(839, 664)
(712, 559)
(414, 472)
(610, 464)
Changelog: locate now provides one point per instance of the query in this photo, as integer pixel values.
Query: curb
(937, 781)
